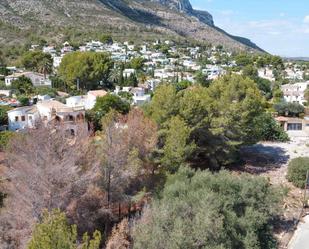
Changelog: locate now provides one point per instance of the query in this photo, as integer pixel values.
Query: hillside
(54, 20)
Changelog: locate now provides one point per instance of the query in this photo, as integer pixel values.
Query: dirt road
(270, 160)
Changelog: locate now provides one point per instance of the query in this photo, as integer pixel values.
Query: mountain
(22, 19)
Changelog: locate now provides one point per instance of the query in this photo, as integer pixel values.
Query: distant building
(50, 112)
(294, 93)
(128, 72)
(293, 124)
(86, 101)
(37, 79)
(266, 73)
(23, 117)
(138, 94)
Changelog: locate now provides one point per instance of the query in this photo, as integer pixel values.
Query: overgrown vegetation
(297, 171)
(54, 231)
(217, 120)
(205, 210)
(86, 70)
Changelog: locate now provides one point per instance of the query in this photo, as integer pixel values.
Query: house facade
(295, 93)
(86, 101)
(49, 112)
(22, 118)
(293, 124)
(37, 79)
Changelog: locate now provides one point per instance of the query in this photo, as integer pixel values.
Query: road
(300, 239)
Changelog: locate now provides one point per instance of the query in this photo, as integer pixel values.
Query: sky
(280, 27)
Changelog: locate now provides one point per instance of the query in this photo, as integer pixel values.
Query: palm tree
(114, 75)
(45, 67)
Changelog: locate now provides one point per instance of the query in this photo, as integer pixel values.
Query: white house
(213, 72)
(86, 101)
(57, 61)
(37, 79)
(92, 97)
(128, 72)
(76, 101)
(49, 112)
(266, 73)
(5, 93)
(294, 93)
(22, 118)
(49, 50)
(139, 96)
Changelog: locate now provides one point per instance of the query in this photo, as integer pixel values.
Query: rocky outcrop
(185, 6)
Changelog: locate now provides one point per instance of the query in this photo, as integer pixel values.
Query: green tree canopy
(289, 109)
(22, 85)
(177, 146)
(221, 117)
(107, 39)
(137, 63)
(4, 115)
(37, 61)
(54, 232)
(89, 70)
(210, 211)
(104, 105)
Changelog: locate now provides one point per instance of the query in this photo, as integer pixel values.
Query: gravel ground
(270, 159)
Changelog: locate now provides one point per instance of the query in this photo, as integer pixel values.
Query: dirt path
(270, 160)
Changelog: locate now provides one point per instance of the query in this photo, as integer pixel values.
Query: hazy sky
(279, 26)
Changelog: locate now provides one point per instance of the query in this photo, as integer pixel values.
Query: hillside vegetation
(23, 20)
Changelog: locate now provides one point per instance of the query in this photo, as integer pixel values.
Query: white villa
(37, 79)
(138, 94)
(294, 93)
(22, 118)
(266, 73)
(50, 112)
(86, 101)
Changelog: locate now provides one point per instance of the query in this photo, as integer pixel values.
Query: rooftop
(97, 93)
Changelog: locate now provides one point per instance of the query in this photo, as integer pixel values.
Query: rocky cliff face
(51, 18)
(185, 6)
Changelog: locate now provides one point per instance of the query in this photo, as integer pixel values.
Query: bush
(104, 105)
(205, 210)
(3, 114)
(297, 171)
(289, 109)
(23, 100)
(55, 232)
(43, 90)
(271, 131)
(5, 137)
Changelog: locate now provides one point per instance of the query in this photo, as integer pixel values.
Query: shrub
(271, 131)
(5, 137)
(55, 232)
(297, 171)
(205, 210)
(3, 114)
(23, 100)
(289, 109)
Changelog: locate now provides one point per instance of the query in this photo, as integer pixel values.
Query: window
(295, 127)
(16, 118)
(30, 117)
(23, 118)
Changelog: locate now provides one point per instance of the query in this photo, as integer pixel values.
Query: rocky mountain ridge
(49, 18)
